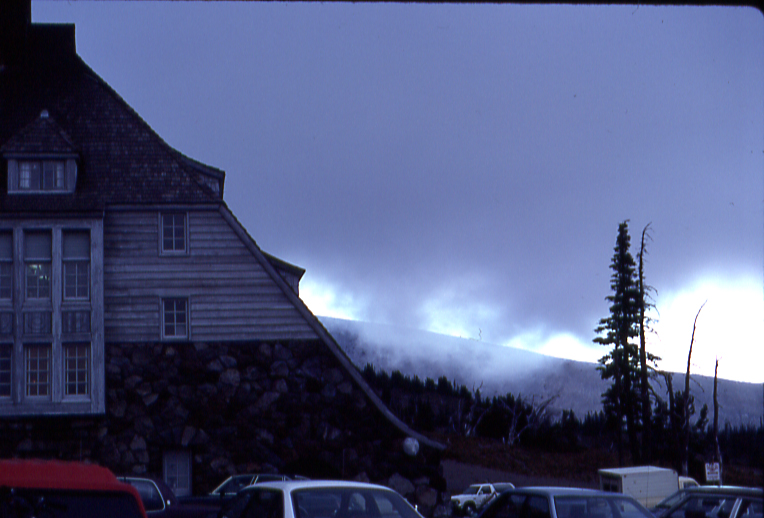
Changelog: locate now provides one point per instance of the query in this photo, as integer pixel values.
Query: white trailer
(647, 484)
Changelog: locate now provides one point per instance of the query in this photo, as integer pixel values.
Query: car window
(259, 503)
(472, 490)
(484, 490)
(518, 506)
(236, 484)
(350, 503)
(751, 508)
(152, 499)
(598, 507)
(704, 506)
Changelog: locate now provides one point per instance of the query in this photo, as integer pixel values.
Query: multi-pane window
(76, 262)
(175, 318)
(5, 370)
(6, 265)
(177, 472)
(48, 175)
(174, 232)
(76, 369)
(37, 363)
(37, 258)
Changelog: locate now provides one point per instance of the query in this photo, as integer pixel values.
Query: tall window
(174, 318)
(177, 472)
(174, 233)
(6, 265)
(76, 259)
(76, 369)
(5, 370)
(37, 257)
(37, 359)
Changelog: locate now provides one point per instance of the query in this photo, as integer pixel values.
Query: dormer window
(41, 159)
(45, 175)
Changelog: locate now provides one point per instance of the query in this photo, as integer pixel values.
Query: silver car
(317, 499)
(560, 502)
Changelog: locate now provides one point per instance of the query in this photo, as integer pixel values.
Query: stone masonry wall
(236, 407)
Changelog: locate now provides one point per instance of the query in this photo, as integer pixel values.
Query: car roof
(563, 491)
(726, 490)
(291, 485)
(53, 474)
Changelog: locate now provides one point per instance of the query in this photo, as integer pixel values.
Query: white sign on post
(713, 472)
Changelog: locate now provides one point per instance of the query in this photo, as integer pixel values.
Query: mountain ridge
(498, 370)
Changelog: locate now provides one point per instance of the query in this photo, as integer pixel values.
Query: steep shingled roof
(122, 160)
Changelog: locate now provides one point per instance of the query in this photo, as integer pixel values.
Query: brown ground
(468, 461)
(473, 460)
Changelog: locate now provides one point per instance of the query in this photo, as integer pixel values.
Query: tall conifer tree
(616, 331)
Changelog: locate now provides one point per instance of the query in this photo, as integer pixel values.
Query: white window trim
(175, 253)
(187, 336)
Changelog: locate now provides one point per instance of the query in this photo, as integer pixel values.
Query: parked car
(160, 501)
(556, 502)
(648, 484)
(712, 502)
(230, 486)
(317, 499)
(235, 483)
(55, 489)
(476, 496)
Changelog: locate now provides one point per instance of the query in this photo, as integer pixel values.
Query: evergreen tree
(616, 331)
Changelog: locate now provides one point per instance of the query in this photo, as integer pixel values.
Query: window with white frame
(37, 368)
(173, 233)
(5, 370)
(6, 265)
(37, 258)
(76, 369)
(177, 471)
(175, 317)
(42, 175)
(76, 263)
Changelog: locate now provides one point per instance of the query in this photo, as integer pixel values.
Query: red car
(55, 489)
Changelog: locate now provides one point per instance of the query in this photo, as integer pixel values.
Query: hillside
(498, 370)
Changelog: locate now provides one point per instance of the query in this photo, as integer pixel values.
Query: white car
(317, 499)
(477, 495)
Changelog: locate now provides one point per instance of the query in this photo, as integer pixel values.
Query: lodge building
(141, 326)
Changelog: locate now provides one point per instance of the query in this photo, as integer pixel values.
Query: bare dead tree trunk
(718, 452)
(686, 401)
(646, 409)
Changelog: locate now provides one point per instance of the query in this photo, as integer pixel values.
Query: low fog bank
(497, 370)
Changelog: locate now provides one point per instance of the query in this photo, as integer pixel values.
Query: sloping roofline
(321, 331)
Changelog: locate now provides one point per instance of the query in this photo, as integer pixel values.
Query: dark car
(712, 502)
(561, 502)
(160, 501)
(233, 484)
(56, 489)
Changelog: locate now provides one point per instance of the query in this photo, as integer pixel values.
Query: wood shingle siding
(231, 296)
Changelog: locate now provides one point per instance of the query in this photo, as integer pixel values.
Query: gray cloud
(467, 161)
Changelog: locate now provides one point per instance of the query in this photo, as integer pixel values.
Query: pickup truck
(159, 501)
(477, 495)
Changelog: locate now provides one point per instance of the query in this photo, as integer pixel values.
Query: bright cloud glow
(730, 327)
(322, 299)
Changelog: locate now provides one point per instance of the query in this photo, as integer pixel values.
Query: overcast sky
(464, 168)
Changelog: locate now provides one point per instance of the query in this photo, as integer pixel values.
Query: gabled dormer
(41, 159)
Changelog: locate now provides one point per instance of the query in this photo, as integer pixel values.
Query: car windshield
(255, 503)
(472, 490)
(705, 506)
(329, 502)
(672, 500)
(598, 507)
(28, 503)
(233, 485)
